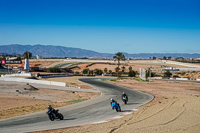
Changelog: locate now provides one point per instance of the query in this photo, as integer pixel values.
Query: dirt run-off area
(175, 109)
(19, 99)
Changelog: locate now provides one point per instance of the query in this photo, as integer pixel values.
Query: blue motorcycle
(116, 106)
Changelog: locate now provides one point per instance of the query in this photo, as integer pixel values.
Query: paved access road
(91, 111)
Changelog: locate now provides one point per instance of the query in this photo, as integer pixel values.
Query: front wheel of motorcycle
(117, 110)
(125, 102)
(51, 117)
(61, 116)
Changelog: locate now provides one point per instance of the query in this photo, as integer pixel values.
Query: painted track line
(116, 117)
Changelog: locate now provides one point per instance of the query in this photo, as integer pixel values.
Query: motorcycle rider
(124, 96)
(50, 109)
(112, 101)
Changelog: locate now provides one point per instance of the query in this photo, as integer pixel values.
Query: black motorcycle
(55, 115)
(125, 100)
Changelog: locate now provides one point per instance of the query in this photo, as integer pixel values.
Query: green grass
(75, 101)
(59, 65)
(105, 79)
(73, 83)
(114, 80)
(119, 78)
(141, 80)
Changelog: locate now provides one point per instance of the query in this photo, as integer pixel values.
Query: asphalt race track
(87, 112)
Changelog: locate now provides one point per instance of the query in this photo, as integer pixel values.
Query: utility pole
(149, 73)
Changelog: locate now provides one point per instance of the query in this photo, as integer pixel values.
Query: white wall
(34, 81)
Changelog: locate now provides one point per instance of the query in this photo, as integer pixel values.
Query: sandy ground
(71, 81)
(175, 109)
(15, 100)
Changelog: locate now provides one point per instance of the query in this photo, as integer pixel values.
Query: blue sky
(110, 26)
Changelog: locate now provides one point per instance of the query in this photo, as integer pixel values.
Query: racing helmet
(49, 107)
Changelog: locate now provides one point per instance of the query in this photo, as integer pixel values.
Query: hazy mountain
(60, 51)
(52, 51)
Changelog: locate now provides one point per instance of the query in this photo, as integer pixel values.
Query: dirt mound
(30, 87)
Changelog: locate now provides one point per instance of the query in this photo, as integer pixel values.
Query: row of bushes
(131, 73)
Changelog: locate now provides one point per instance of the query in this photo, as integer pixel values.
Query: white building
(38, 57)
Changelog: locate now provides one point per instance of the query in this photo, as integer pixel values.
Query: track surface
(87, 112)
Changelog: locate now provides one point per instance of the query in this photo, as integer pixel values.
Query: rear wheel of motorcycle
(61, 116)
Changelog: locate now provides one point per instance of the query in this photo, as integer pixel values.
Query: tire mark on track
(155, 113)
(176, 117)
(121, 125)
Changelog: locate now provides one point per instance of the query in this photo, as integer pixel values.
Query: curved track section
(87, 112)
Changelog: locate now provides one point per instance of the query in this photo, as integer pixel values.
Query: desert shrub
(130, 68)
(85, 71)
(98, 71)
(77, 72)
(67, 70)
(110, 71)
(54, 70)
(167, 74)
(105, 70)
(131, 73)
(152, 74)
(176, 76)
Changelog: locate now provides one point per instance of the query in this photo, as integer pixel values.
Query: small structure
(142, 74)
(26, 65)
(38, 57)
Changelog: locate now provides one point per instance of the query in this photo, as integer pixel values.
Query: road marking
(117, 117)
(99, 122)
(127, 113)
(111, 119)
(134, 110)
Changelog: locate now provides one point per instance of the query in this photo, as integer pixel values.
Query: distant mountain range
(61, 51)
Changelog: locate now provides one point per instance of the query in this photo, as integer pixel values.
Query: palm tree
(123, 69)
(119, 56)
(130, 68)
(105, 70)
(117, 69)
(27, 55)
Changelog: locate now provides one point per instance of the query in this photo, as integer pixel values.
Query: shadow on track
(66, 119)
(132, 103)
(70, 119)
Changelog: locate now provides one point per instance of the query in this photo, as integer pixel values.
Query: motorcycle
(125, 100)
(56, 115)
(116, 106)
